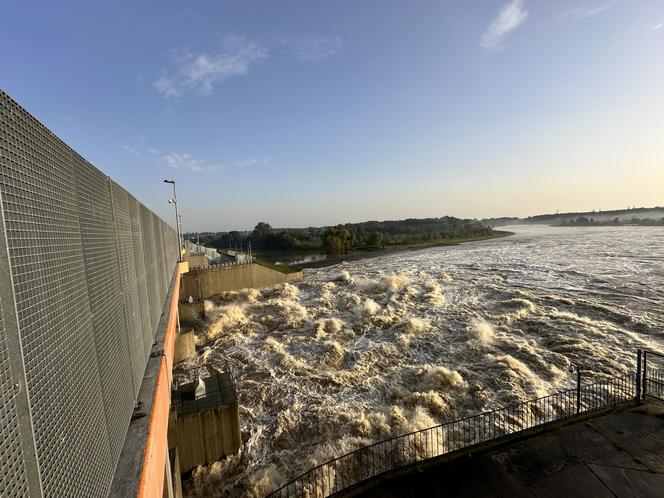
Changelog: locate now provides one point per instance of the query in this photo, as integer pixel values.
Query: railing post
(638, 374)
(644, 383)
(578, 390)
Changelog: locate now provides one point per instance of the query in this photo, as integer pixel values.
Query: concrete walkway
(616, 455)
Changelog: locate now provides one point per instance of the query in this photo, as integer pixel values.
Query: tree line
(583, 221)
(340, 239)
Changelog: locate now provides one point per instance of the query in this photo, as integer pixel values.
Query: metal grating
(146, 330)
(85, 296)
(13, 480)
(50, 288)
(150, 271)
(125, 244)
(102, 270)
(160, 269)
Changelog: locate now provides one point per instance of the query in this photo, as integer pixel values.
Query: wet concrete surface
(616, 455)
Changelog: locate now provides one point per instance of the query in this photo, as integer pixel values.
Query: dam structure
(89, 282)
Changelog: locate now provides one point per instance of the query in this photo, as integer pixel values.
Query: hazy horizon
(353, 221)
(312, 114)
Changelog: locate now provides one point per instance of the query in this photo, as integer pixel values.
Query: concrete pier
(204, 425)
(615, 455)
(201, 283)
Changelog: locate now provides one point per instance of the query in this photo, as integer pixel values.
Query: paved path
(617, 455)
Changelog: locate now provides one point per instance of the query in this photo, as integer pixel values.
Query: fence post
(644, 383)
(578, 390)
(638, 374)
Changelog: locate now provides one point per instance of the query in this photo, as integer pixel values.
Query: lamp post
(572, 368)
(174, 201)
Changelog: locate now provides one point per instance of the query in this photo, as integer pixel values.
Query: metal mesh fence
(86, 285)
(145, 329)
(125, 243)
(150, 272)
(46, 257)
(191, 248)
(160, 260)
(13, 481)
(102, 270)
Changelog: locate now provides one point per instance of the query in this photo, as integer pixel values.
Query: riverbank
(358, 255)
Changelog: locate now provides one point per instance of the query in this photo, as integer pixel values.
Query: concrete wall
(205, 437)
(197, 261)
(191, 312)
(202, 284)
(185, 345)
(174, 459)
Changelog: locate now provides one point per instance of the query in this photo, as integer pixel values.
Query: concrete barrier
(185, 345)
(204, 283)
(197, 261)
(192, 312)
(205, 437)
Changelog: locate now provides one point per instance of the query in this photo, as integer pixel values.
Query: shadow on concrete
(617, 455)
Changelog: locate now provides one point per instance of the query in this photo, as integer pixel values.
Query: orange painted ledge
(156, 447)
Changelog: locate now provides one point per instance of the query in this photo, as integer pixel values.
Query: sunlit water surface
(365, 350)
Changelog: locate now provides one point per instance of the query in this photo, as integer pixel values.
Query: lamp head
(170, 181)
(171, 201)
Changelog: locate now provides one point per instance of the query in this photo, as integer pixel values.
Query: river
(368, 349)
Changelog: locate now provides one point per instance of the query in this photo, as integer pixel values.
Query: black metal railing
(404, 450)
(653, 375)
(224, 393)
(228, 264)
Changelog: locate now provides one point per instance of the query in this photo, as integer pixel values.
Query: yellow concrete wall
(191, 312)
(202, 284)
(197, 261)
(205, 437)
(185, 345)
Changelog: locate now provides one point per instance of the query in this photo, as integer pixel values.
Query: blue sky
(315, 112)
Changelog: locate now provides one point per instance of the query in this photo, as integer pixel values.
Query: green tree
(337, 240)
(376, 239)
(262, 230)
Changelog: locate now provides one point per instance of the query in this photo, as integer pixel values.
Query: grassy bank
(280, 268)
(374, 252)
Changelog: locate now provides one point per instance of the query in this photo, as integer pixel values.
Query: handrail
(653, 378)
(225, 394)
(221, 265)
(400, 451)
(648, 352)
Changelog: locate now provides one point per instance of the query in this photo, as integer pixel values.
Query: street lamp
(574, 367)
(174, 201)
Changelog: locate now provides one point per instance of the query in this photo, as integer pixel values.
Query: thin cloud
(659, 26)
(318, 48)
(140, 150)
(201, 72)
(510, 17)
(185, 162)
(586, 11)
(252, 161)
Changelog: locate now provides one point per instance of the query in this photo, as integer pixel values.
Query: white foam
(482, 330)
(393, 344)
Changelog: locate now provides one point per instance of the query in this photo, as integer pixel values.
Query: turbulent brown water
(365, 350)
